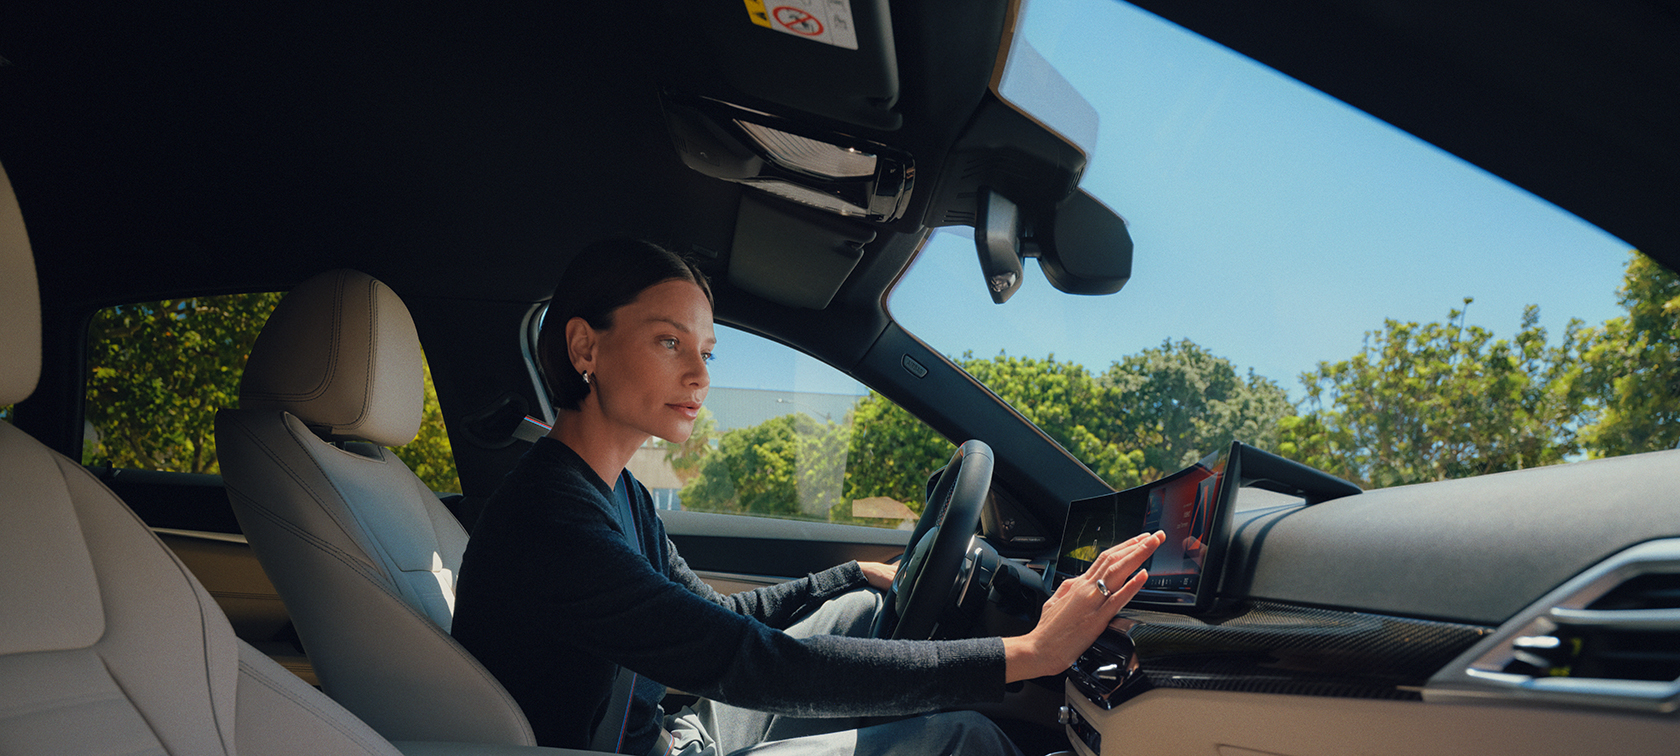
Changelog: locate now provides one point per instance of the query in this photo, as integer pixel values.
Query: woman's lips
(688, 410)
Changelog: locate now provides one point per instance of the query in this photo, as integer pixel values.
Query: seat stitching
(198, 595)
(327, 547)
(360, 567)
(250, 672)
(372, 347)
(352, 533)
(450, 643)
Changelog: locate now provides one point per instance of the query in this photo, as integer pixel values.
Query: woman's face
(649, 369)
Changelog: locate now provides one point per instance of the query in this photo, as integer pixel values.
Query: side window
(159, 371)
(784, 435)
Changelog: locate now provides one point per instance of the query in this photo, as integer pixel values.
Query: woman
(569, 585)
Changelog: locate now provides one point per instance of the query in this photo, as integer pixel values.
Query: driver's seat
(362, 553)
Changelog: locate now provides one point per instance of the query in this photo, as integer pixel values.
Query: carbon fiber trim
(1279, 648)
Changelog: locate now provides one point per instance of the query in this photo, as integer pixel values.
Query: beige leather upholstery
(340, 352)
(363, 554)
(20, 304)
(108, 644)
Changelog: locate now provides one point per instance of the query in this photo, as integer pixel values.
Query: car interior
(415, 178)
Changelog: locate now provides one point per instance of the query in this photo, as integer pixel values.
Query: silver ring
(1102, 588)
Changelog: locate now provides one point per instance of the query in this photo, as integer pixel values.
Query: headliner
(462, 151)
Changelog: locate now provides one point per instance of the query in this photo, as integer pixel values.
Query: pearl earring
(586, 376)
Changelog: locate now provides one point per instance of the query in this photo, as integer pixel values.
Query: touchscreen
(1183, 505)
(1181, 508)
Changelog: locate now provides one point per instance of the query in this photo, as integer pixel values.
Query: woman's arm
(1078, 612)
(775, 605)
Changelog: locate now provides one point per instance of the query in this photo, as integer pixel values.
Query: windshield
(1306, 278)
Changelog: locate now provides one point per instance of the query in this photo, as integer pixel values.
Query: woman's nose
(700, 377)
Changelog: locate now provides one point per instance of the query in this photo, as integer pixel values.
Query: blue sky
(1273, 224)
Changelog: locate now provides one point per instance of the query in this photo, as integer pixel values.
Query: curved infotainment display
(1186, 505)
(1193, 507)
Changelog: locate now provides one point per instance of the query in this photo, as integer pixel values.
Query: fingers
(1132, 551)
(1125, 593)
(1121, 563)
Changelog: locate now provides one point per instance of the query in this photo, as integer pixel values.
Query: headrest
(20, 303)
(341, 354)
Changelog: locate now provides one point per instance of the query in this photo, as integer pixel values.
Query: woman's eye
(707, 356)
(668, 343)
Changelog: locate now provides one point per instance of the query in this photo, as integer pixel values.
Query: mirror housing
(1082, 246)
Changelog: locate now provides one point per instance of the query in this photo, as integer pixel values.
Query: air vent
(1610, 637)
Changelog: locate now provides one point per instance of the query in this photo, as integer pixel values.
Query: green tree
(1440, 400)
(430, 455)
(1070, 405)
(1631, 366)
(158, 371)
(891, 454)
(789, 466)
(687, 457)
(1178, 402)
(1147, 415)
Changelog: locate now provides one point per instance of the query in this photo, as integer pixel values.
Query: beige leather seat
(107, 644)
(363, 554)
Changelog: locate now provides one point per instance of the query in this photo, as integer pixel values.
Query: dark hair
(603, 277)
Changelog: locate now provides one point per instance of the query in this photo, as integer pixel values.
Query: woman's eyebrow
(679, 326)
(669, 321)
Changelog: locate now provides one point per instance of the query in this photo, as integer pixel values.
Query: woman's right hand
(1078, 612)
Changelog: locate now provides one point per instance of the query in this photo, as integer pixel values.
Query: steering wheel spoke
(928, 580)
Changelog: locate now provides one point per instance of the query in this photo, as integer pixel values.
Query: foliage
(891, 454)
(159, 371)
(1176, 403)
(429, 455)
(1440, 400)
(1068, 404)
(685, 458)
(1631, 367)
(789, 466)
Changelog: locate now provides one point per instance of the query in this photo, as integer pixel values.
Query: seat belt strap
(609, 734)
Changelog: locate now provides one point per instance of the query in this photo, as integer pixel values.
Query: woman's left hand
(880, 575)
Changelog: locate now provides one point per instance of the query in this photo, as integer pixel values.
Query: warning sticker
(825, 21)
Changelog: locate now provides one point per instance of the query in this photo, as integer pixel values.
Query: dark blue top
(554, 594)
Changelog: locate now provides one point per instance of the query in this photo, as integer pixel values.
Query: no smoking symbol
(797, 20)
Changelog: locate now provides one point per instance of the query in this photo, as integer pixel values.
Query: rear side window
(159, 371)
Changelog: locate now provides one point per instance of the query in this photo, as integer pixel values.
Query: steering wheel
(928, 574)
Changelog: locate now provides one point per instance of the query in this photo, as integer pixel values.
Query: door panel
(774, 549)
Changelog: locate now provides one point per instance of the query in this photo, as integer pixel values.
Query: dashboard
(1401, 617)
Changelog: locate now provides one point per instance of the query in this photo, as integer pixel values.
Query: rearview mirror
(1082, 246)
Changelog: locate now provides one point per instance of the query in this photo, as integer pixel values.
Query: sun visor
(832, 58)
(793, 256)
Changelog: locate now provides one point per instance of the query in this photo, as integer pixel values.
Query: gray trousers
(709, 728)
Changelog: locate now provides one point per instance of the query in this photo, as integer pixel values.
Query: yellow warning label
(758, 14)
(825, 21)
